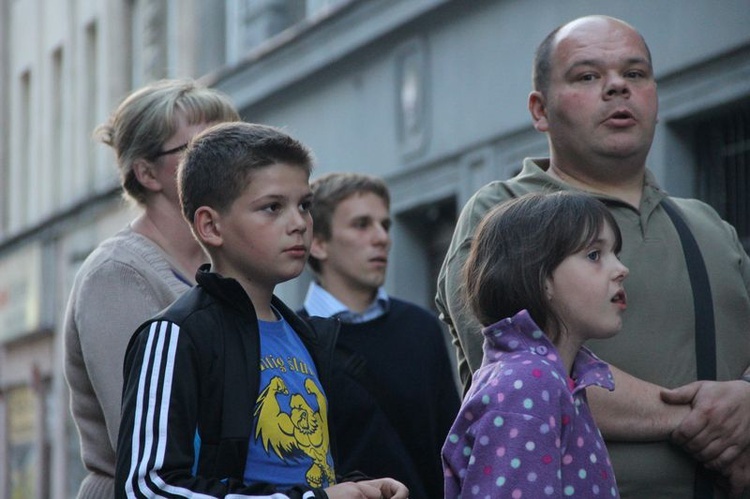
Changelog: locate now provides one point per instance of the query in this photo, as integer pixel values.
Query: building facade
(429, 94)
(65, 66)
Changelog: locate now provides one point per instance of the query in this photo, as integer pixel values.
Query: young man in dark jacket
(392, 356)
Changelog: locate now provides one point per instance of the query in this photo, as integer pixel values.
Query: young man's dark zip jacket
(214, 390)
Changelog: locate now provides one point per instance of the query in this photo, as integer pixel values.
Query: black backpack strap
(705, 332)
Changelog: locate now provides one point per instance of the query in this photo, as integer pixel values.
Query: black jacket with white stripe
(195, 367)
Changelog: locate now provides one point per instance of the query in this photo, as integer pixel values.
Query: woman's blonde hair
(148, 117)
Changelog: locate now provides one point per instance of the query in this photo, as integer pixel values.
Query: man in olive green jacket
(595, 98)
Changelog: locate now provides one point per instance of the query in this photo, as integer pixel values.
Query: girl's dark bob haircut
(520, 243)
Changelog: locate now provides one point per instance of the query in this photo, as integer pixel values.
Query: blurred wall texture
(429, 94)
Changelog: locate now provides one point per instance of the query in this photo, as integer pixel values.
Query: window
(250, 23)
(91, 111)
(23, 144)
(723, 152)
(316, 7)
(54, 167)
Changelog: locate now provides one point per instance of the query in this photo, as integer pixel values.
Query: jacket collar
(520, 334)
(229, 291)
(534, 176)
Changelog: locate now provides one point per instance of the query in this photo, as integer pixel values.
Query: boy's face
(355, 257)
(266, 233)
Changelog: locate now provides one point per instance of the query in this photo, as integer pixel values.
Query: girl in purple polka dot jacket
(543, 277)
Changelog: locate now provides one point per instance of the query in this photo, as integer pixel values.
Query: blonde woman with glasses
(140, 270)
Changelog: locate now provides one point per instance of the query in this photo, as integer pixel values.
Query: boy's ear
(319, 248)
(538, 110)
(207, 226)
(144, 172)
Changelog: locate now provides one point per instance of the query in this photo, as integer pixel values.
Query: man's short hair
(330, 190)
(543, 56)
(218, 164)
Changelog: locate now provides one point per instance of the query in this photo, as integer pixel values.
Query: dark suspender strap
(705, 334)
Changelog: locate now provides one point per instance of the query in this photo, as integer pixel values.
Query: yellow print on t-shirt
(292, 364)
(300, 430)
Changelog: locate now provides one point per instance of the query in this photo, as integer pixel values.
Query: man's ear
(319, 249)
(207, 226)
(144, 173)
(538, 110)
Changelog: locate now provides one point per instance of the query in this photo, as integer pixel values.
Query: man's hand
(717, 429)
(735, 478)
(381, 488)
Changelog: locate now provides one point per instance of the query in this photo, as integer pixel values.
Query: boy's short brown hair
(217, 165)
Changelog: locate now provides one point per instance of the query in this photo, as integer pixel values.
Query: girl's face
(586, 292)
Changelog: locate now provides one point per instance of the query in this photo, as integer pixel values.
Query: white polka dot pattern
(524, 429)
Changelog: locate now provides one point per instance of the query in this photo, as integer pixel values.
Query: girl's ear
(207, 226)
(538, 110)
(548, 288)
(319, 249)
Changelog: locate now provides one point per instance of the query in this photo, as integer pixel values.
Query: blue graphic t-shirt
(289, 445)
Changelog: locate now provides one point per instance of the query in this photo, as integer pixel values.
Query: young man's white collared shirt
(321, 303)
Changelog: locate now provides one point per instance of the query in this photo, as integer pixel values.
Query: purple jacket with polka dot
(525, 429)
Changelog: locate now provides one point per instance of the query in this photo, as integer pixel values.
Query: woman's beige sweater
(124, 281)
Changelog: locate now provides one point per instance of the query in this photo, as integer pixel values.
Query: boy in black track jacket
(223, 391)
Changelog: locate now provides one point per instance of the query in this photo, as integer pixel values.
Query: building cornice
(314, 44)
(64, 220)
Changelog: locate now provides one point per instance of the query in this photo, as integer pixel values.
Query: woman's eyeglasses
(172, 151)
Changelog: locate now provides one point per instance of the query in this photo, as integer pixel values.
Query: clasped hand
(716, 432)
(381, 488)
